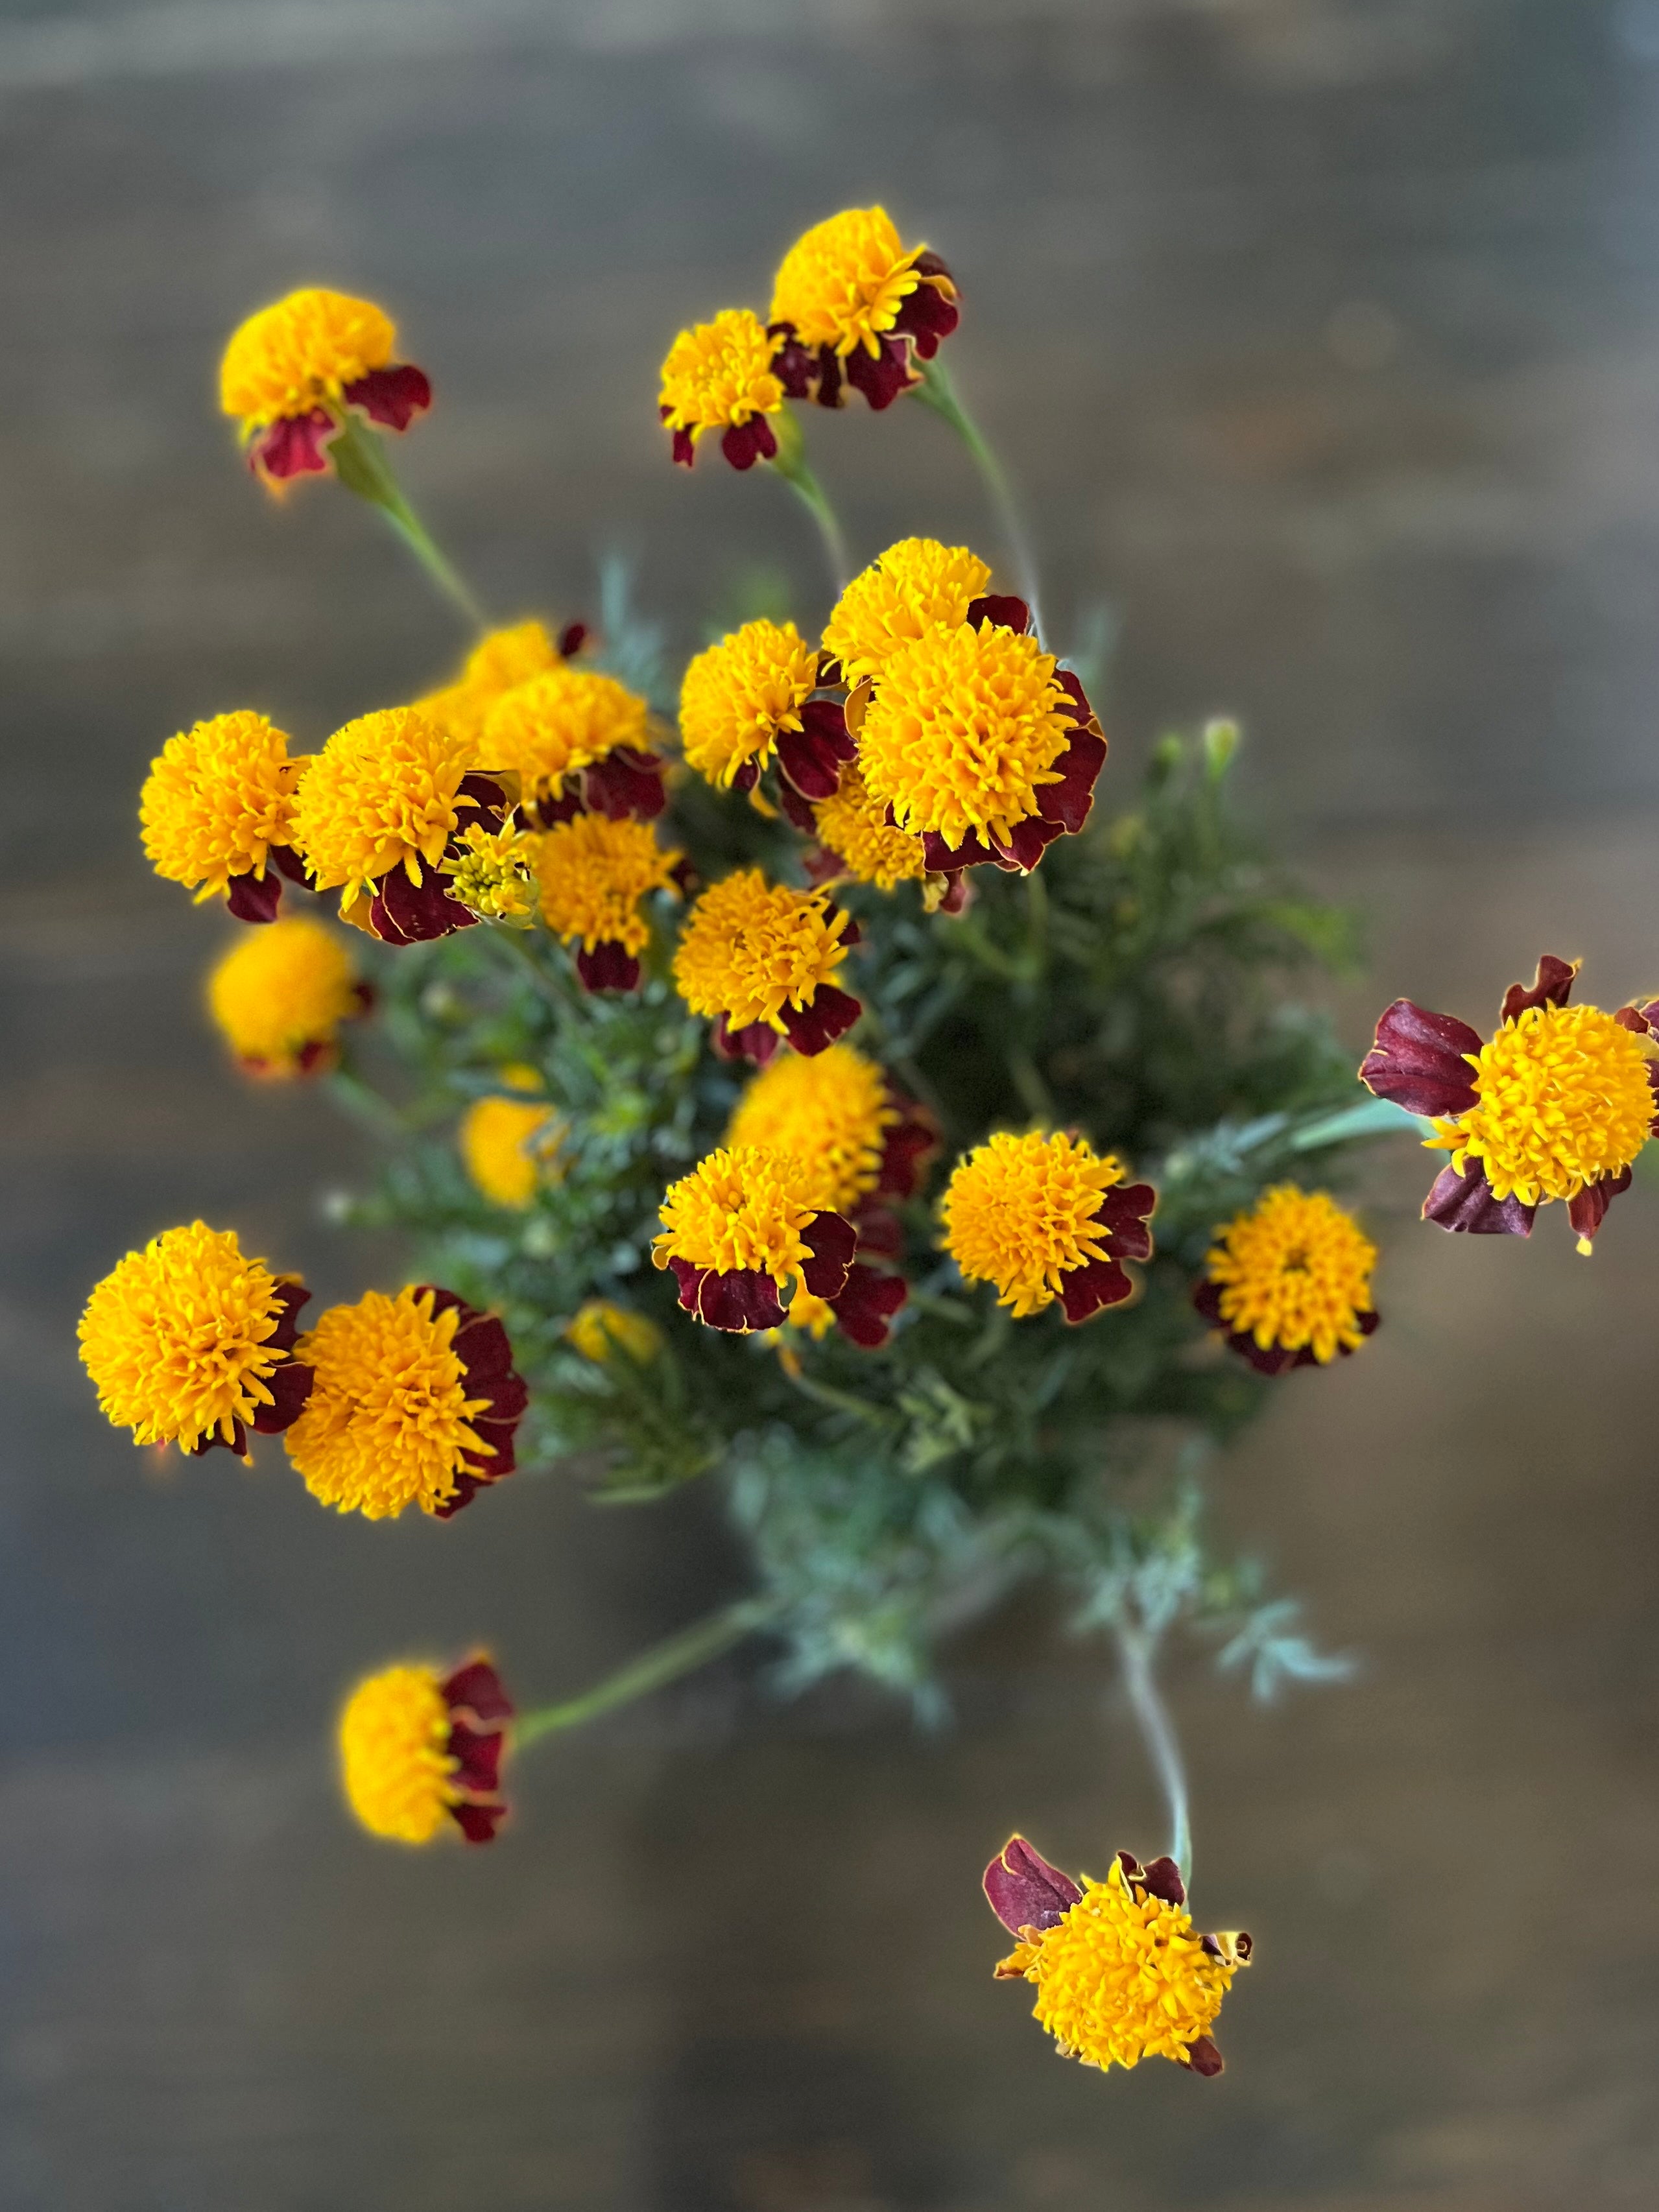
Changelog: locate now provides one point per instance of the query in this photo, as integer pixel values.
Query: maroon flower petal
(404, 912)
(832, 1240)
(689, 1278)
(865, 1309)
(1203, 2058)
(572, 638)
(292, 864)
(293, 445)
(290, 1383)
(906, 1147)
(811, 756)
(547, 812)
(254, 898)
(609, 967)
(1024, 1891)
(798, 809)
(930, 312)
(794, 364)
(685, 451)
(959, 891)
(881, 377)
(1026, 843)
(290, 1296)
(881, 1234)
(1464, 1204)
(237, 1442)
(1002, 608)
(947, 859)
(626, 782)
(757, 1041)
(476, 1688)
(1087, 1291)
(828, 392)
(1419, 1060)
(1124, 1213)
(467, 1488)
(1069, 801)
(477, 1823)
(1162, 1878)
(739, 1301)
(746, 443)
(393, 397)
(480, 1756)
(1550, 987)
(1590, 1209)
(830, 1015)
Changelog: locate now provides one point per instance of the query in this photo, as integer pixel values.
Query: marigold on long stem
(290, 371)
(418, 1749)
(1046, 1217)
(719, 376)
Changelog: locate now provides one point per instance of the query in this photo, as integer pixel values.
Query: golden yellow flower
(742, 1208)
(382, 790)
(417, 1750)
(854, 828)
(843, 283)
(279, 995)
(1044, 1218)
(499, 663)
(301, 354)
(739, 696)
(719, 376)
(913, 587)
(750, 949)
(1290, 1279)
(831, 1111)
(563, 720)
(598, 1330)
(217, 797)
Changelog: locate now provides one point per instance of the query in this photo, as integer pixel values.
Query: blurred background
(1324, 336)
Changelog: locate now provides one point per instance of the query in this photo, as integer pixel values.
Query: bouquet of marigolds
(820, 1077)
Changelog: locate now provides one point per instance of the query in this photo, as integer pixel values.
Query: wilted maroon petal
(291, 864)
(480, 1758)
(1001, 608)
(1162, 1878)
(1024, 1891)
(627, 782)
(404, 913)
(476, 1688)
(1084, 1292)
(1078, 767)
(1124, 1213)
(828, 392)
(830, 1015)
(1549, 988)
(290, 1383)
(882, 377)
(831, 1240)
(477, 1823)
(958, 892)
(254, 898)
(685, 451)
(1464, 1204)
(1419, 1060)
(865, 1309)
(689, 1278)
(1590, 1209)
(1204, 2059)
(293, 445)
(946, 859)
(391, 396)
(746, 443)
(741, 1300)
(757, 1041)
(1026, 843)
(792, 363)
(798, 810)
(930, 312)
(906, 1145)
(609, 967)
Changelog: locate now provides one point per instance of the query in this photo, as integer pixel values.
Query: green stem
(665, 1663)
(547, 980)
(361, 464)
(365, 1104)
(1137, 1648)
(1371, 1117)
(841, 1401)
(790, 462)
(938, 390)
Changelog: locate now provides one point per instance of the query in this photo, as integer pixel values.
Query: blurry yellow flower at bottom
(279, 996)
(598, 1329)
(510, 1145)
(416, 1750)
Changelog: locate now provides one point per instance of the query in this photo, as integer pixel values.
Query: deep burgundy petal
(1026, 843)
(930, 312)
(1204, 2059)
(1162, 1878)
(291, 864)
(689, 1278)
(746, 443)
(480, 1758)
(467, 1488)
(609, 967)
(1590, 1209)
(810, 763)
(476, 1687)
(830, 1015)
(828, 392)
(798, 809)
(477, 794)
(1124, 1212)
(882, 376)
(685, 451)
(391, 396)
(404, 912)
(758, 1041)
(792, 363)
(1549, 988)
(946, 859)
(832, 1240)
(237, 1442)
(1001, 608)
(1464, 1204)
(254, 898)
(1419, 1060)
(1085, 1291)
(572, 638)
(865, 1309)
(477, 1823)
(959, 891)
(290, 1296)
(482, 1344)
(881, 1234)
(906, 1147)
(739, 1301)
(495, 1456)
(625, 782)
(1068, 802)
(294, 446)
(1024, 1891)
(290, 1383)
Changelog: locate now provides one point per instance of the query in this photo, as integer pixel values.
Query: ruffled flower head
(743, 1226)
(279, 996)
(599, 1330)
(838, 1114)
(913, 587)
(758, 958)
(217, 812)
(1046, 1217)
(1290, 1281)
(719, 376)
(189, 1342)
(575, 738)
(1119, 1971)
(1556, 1104)
(508, 1146)
(594, 874)
(418, 1749)
(498, 664)
(415, 1402)
(290, 371)
(856, 839)
(850, 299)
(748, 702)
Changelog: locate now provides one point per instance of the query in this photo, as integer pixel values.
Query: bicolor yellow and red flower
(758, 959)
(280, 996)
(595, 875)
(1047, 1218)
(1556, 1104)
(747, 704)
(745, 1227)
(851, 302)
(1288, 1281)
(217, 812)
(291, 373)
(1120, 1973)
(719, 376)
(418, 1748)
(577, 741)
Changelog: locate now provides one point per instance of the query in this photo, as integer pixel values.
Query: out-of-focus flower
(492, 872)
(856, 839)
(191, 1342)
(217, 812)
(599, 1330)
(1290, 1281)
(510, 1145)
(594, 874)
(748, 702)
(849, 297)
(415, 1402)
(914, 587)
(576, 738)
(1119, 1971)
(1556, 1105)
(719, 376)
(742, 1227)
(279, 995)
(418, 1749)
(290, 371)
(757, 958)
(1045, 1218)
(498, 664)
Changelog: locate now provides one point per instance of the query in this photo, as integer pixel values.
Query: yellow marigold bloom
(507, 1145)
(279, 996)
(382, 792)
(498, 664)
(416, 1750)
(910, 589)
(599, 1330)
(493, 874)
(1290, 1279)
(594, 872)
(563, 720)
(855, 830)
(832, 1111)
(1046, 1217)
(217, 797)
(741, 1209)
(754, 953)
(301, 354)
(740, 695)
(843, 282)
(719, 376)
(181, 1339)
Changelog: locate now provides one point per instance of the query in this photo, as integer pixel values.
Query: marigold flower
(1290, 1281)
(492, 872)
(507, 1145)
(741, 1227)
(190, 1341)
(498, 664)
(290, 371)
(574, 738)
(913, 587)
(1556, 1105)
(849, 292)
(599, 1330)
(279, 995)
(594, 872)
(1119, 1971)
(759, 957)
(417, 1749)
(415, 1402)
(719, 376)
(1046, 1217)
(384, 805)
(857, 840)
(217, 812)
(748, 700)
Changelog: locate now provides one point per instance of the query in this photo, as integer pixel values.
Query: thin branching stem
(361, 464)
(664, 1663)
(1138, 1649)
(938, 390)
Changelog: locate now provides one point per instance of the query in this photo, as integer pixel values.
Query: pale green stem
(1371, 1117)
(664, 1663)
(790, 462)
(360, 462)
(1137, 1649)
(936, 390)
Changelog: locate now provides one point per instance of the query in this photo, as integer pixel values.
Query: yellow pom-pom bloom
(598, 1330)
(498, 664)
(1294, 1271)
(744, 1207)
(910, 589)
(175, 1338)
(1020, 1212)
(842, 283)
(1122, 1977)
(509, 1146)
(301, 354)
(382, 790)
(494, 874)
(593, 873)
(740, 695)
(395, 1763)
(279, 995)
(1562, 1100)
(385, 1425)
(853, 826)
(563, 720)
(832, 1110)
(717, 375)
(964, 730)
(750, 948)
(217, 797)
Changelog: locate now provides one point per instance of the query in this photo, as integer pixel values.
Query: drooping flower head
(594, 874)
(279, 996)
(415, 1402)
(758, 957)
(189, 1342)
(492, 873)
(217, 812)
(598, 1330)
(849, 297)
(575, 738)
(499, 663)
(913, 587)
(719, 376)
(856, 839)
(1556, 1105)
(1047, 1218)
(1290, 1281)
(508, 1146)
(418, 1749)
(290, 371)
(744, 1225)
(1119, 1971)
(748, 702)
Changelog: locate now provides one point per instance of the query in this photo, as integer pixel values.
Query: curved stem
(790, 462)
(361, 464)
(1137, 1648)
(664, 1663)
(936, 390)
